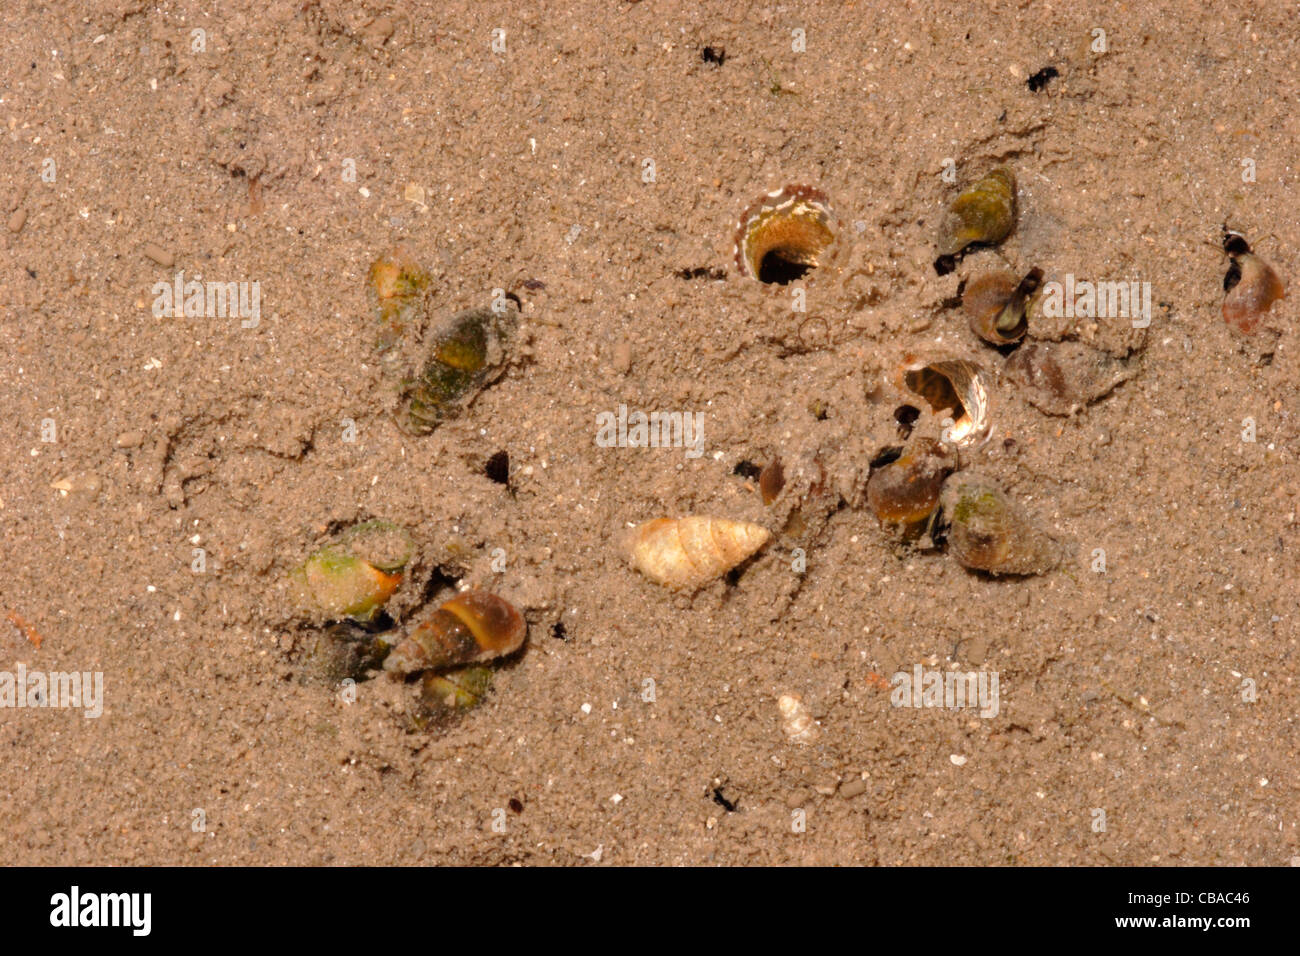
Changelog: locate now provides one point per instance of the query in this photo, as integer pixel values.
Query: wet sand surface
(595, 168)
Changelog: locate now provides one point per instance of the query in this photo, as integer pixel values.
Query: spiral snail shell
(991, 532)
(1252, 294)
(472, 627)
(689, 552)
(396, 285)
(906, 491)
(995, 303)
(954, 387)
(334, 583)
(466, 352)
(983, 212)
(781, 236)
(447, 694)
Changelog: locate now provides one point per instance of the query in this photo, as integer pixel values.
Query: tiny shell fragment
(796, 720)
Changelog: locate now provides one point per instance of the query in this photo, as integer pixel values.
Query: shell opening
(782, 237)
(954, 388)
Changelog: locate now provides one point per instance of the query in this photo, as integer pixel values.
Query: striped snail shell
(472, 627)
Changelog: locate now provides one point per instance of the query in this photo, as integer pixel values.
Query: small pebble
(853, 788)
(130, 439)
(958, 760)
(797, 798)
(17, 221)
(159, 255)
(622, 357)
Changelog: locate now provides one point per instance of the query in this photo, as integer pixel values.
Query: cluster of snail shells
(348, 584)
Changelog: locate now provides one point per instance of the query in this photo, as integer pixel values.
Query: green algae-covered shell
(343, 651)
(465, 353)
(984, 212)
(446, 695)
(333, 583)
(991, 532)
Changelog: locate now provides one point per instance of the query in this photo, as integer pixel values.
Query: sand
(1146, 712)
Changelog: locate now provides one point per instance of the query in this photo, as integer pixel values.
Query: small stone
(622, 356)
(132, 439)
(958, 760)
(853, 788)
(797, 798)
(17, 221)
(159, 255)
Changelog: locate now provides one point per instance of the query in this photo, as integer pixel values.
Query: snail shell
(906, 491)
(334, 584)
(383, 544)
(466, 352)
(953, 386)
(1059, 378)
(445, 696)
(995, 303)
(472, 627)
(991, 532)
(781, 236)
(1254, 293)
(689, 552)
(344, 651)
(796, 720)
(771, 480)
(984, 212)
(396, 286)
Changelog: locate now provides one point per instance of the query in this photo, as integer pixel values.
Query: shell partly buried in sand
(1060, 378)
(954, 387)
(782, 236)
(687, 553)
(906, 491)
(1253, 294)
(990, 531)
(983, 212)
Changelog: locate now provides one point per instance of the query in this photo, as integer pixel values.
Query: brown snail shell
(689, 552)
(991, 532)
(782, 236)
(1060, 378)
(472, 627)
(955, 387)
(906, 491)
(984, 212)
(996, 305)
(1253, 294)
(771, 480)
